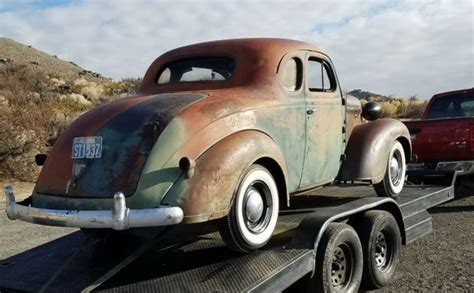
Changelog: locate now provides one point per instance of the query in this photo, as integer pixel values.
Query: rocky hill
(365, 95)
(40, 95)
(12, 52)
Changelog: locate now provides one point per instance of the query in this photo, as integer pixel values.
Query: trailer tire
(394, 178)
(339, 261)
(381, 243)
(254, 211)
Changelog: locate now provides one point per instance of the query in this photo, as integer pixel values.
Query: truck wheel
(381, 241)
(254, 211)
(394, 179)
(338, 261)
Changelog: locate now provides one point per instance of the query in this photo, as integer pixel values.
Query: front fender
(208, 193)
(368, 148)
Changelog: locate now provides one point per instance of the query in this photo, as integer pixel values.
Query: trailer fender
(311, 229)
(206, 192)
(368, 149)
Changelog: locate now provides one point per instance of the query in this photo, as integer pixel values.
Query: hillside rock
(75, 99)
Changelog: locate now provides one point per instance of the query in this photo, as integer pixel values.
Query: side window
(467, 108)
(291, 75)
(319, 76)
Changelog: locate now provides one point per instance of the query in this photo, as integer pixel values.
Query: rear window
(207, 69)
(452, 106)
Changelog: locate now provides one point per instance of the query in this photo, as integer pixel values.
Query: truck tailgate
(450, 139)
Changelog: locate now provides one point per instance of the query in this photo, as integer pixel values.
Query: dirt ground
(441, 261)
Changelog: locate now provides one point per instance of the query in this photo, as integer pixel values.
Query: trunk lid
(128, 129)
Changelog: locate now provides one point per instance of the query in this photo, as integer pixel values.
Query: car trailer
(328, 239)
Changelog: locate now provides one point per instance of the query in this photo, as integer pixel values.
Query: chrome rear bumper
(462, 167)
(466, 167)
(118, 218)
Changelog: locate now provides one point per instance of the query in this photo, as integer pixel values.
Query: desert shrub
(389, 109)
(35, 108)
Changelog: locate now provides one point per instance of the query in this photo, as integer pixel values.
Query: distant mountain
(360, 94)
(14, 53)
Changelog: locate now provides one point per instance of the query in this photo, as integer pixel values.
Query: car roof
(264, 45)
(256, 60)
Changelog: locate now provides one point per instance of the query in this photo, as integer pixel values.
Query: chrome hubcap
(257, 207)
(254, 205)
(339, 268)
(381, 251)
(395, 169)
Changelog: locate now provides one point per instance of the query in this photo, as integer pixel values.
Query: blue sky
(391, 47)
(10, 5)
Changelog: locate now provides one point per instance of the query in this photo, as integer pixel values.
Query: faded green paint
(249, 118)
(208, 193)
(324, 128)
(161, 167)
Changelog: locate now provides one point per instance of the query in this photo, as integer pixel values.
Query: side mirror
(40, 159)
(371, 111)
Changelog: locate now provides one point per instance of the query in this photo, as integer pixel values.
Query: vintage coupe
(225, 131)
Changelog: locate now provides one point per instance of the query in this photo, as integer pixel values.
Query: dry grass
(401, 108)
(35, 108)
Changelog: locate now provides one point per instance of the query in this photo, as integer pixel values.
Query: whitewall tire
(254, 212)
(394, 178)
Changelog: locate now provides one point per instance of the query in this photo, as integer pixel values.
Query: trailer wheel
(381, 242)
(338, 261)
(394, 178)
(254, 211)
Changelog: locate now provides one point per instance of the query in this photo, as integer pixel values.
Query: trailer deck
(199, 261)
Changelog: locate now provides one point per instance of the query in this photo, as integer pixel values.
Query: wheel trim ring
(396, 151)
(396, 168)
(256, 239)
(265, 217)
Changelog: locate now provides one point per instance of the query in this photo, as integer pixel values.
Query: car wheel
(381, 242)
(338, 261)
(254, 211)
(394, 178)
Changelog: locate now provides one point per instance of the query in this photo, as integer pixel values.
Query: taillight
(414, 132)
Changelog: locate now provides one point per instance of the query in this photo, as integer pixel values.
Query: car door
(289, 120)
(324, 122)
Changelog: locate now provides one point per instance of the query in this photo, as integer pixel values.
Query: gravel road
(441, 261)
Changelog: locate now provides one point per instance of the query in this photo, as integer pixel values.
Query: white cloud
(389, 47)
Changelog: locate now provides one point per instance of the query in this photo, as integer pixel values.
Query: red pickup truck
(444, 138)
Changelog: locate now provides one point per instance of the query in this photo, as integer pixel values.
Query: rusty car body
(222, 130)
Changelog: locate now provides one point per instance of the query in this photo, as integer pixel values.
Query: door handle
(310, 111)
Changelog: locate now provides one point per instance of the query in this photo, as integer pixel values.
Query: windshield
(197, 69)
(452, 106)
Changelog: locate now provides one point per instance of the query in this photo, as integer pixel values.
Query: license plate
(89, 147)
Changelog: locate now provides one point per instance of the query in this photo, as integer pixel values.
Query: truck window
(452, 106)
(197, 69)
(291, 75)
(467, 107)
(319, 76)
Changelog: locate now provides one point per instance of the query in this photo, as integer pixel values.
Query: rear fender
(206, 193)
(368, 148)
